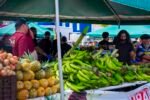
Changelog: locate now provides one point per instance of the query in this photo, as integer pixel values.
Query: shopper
(104, 44)
(21, 40)
(65, 47)
(143, 50)
(125, 47)
(5, 43)
(37, 48)
(45, 45)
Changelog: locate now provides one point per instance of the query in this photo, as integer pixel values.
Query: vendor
(125, 47)
(143, 50)
(105, 44)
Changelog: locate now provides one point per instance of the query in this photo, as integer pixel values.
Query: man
(34, 38)
(45, 44)
(104, 44)
(143, 50)
(21, 40)
(64, 46)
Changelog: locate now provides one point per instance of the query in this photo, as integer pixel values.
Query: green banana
(100, 66)
(87, 72)
(66, 87)
(71, 77)
(103, 82)
(75, 66)
(111, 65)
(56, 66)
(83, 75)
(114, 82)
(80, 63)
(70, 69)
(76, 88)
(118, 77)
(81, 78)
(94, 77)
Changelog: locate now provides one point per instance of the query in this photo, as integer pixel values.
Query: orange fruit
(41, 91)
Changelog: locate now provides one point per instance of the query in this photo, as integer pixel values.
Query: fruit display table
(126, 91)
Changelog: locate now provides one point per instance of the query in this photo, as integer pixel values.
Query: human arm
(40, 51)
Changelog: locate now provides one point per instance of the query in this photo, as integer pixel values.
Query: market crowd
(25, 40)
(129, 51)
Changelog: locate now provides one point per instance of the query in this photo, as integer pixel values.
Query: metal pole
(59, 49)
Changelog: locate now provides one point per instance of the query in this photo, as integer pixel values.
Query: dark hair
(145, 36)
(20, 22)
(105, 34)
(127, 36)
(64, 39)
(47, 33)
(34, 30)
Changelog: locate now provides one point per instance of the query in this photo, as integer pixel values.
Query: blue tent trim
(10, 29)
(134, 30)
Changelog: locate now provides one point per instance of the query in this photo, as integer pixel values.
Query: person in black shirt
(45, 45)
(104, 44)
(64, 46)
(125, 47)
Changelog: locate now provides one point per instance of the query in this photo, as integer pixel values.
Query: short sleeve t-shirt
(104, 44)
(124, 50)
(141, 51)
(21, 44)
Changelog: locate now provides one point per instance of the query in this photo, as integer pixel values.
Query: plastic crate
(8, 88)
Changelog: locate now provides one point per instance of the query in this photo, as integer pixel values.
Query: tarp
(10, 29)
(135, 31)
(90, 11)
(141, 4)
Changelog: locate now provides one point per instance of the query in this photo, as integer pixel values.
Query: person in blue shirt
(143, 50)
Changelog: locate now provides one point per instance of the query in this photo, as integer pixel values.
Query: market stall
(95, 67)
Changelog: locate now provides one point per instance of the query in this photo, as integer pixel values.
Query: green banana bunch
(111, 65)
(82, 77)
(130, 76)
(71, 77)
(103, 82)
(114, 82)
(118, 77)
(70, 69)
(116, 62)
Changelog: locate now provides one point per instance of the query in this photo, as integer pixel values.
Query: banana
(81, 78)
(71, 77)
(66, 87)
(66, 69)
(80, 63)
(74, 87)
(56, 66)
(111, 65)
(87, 72)
(118, 77)
(70, 69)
(75, 66)
(83, 75)
(100, 66)
(94, 77)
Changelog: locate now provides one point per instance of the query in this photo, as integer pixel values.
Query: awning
(90, 11)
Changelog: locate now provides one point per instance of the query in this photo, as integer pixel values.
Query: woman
(125, 47)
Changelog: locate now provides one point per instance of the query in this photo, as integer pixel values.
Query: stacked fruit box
(8, 88)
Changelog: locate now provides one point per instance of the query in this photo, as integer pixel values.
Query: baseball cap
(145, 36)
(20, 22)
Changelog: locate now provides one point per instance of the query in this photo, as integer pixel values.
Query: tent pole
(59, 49)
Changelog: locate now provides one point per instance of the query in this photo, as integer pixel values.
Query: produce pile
(84, 70)
(35, 80)
(8, 64)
